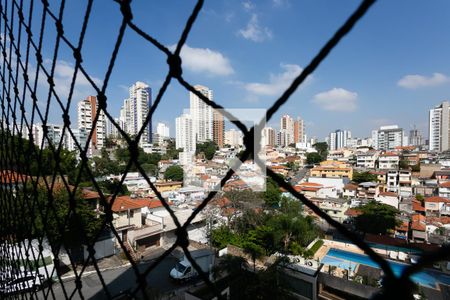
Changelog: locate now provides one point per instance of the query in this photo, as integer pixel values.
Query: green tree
(272, 195)
(222, 236)
(359, 177)
(415, 168)
(403, 164)
(113, 186)
(322, 149)
(313, 158)
(171, 151)
(421, 198)
(376, 218)
(254, 250)
(174, 173)
(208, 148)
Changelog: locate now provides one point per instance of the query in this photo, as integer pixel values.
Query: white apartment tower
(339, 139)
(185, 136)
(233, 138)
(268, 137)
(287, 129)
(388, 137)
(439, 127)
(134, 111)
(202, 114)
(87, 110)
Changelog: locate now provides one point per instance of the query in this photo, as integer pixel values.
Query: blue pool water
(348, 260)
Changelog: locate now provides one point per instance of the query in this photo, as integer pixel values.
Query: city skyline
(392, 84)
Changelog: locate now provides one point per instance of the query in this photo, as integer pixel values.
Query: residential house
(388, 161)
(332, 169)
(337, 183)
(441, 176)
(437, 206)
(444, 189)
(368, 190)
(168, 186)
(367, 160)
(335, 208)
(310, 189)
(389, 198)
(381, 176)
(418, 229)
(401, 230)
(350, 190)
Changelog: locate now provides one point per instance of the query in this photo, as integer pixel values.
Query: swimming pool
(348, 260)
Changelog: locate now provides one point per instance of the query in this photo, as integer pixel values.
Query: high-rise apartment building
(162, 133)
(87, 110)
(268, 136)
(162, 130)
(202, 114)
(233, 138)
(185, 136)
(338, 139)
(439, 127)
(299, 131)
(218, 128)
(287, 129)
(134, 111)
(388, 137)
(415, 138)
(54, 135)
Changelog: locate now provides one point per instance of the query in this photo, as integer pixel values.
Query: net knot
(101, 99)
(174, 62)
(182, 237)
(77, 55)
(59, 27)
(126, 10)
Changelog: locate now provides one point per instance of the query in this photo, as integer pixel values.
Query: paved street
(119, 281)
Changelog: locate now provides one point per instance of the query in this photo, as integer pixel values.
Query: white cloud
(277, 82)
(279, 3)
(248, 5)
(337, 99)
(254, 31)
(418, 81)
(63, 78)
(204, 60)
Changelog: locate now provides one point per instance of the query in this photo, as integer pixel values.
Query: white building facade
(438, 127)
(202, 114)
(134, 111)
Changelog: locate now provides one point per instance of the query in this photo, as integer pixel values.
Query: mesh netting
(34, 179)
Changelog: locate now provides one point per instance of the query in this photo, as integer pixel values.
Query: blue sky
(391, 69)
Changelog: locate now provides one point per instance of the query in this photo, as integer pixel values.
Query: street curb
(66, 278)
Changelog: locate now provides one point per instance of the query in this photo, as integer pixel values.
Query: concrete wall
(103, 248)
(122, 220)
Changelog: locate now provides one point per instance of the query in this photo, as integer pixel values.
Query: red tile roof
(418, 218)
(351, 212)
(350, 187)
(123, 203)
(8, 176)
(310, 184)
(419, 226)
(377, 172)
(445, 184)
(88, 194)
(417, 206)
(437, 199)
(404, 226)
(388, 194)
